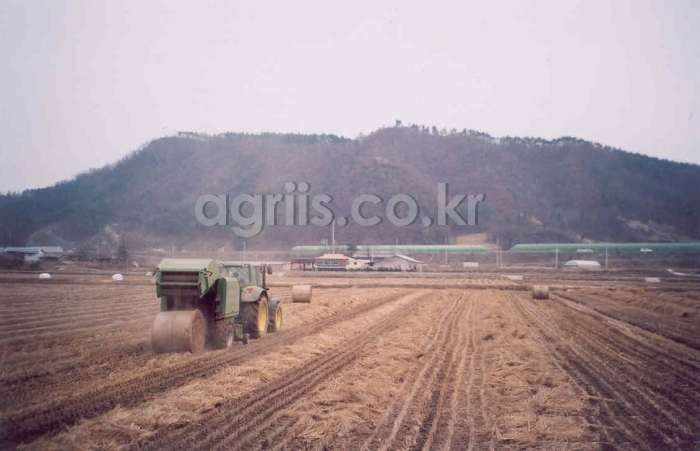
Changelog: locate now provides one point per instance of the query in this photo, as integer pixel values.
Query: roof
(588, 263)
(404, 257)
(23, 250)
(241, 263)
(334, 256)
(192, 264)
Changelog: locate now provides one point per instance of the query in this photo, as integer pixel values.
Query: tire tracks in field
(416, 385)
(684, 370)
(530, 325)
(648, 385)
(426, 412)
(449, 423)
(33, 323)
(49, 417)
(680, 331)
(24, 386)
(685, 366)
(240, 421)
(282, 442)
(637, 410)
(463, 426)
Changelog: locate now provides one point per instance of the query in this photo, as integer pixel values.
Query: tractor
(205, 301)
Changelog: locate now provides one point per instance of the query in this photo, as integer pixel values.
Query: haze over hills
(566, 190)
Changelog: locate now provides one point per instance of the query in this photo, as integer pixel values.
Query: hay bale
(302, 293)
(652, 280)
(44, 275)
(179, 331)
(117, 277)
(540, 292)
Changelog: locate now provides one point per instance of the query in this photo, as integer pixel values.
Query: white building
(582, 264)
(399, 262)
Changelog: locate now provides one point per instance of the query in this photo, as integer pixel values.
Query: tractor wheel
(274, 311)
(254, 316)
(223, 334)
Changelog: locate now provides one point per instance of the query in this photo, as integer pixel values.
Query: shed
(303, 264)
(398, 262)
(357, 264)
(582, 264)
(27, 254)
(332, 262)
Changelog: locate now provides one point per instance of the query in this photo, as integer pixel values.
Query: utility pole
(498, 254)
(445, 252)
(244, 241)
(172, 248)
(556, 258)
(333, 237)
(606, 255)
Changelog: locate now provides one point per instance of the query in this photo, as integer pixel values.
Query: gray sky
(84, 83)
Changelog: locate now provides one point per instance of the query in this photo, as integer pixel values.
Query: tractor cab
(247, 274)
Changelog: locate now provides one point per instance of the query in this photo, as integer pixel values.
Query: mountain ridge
(567, 190)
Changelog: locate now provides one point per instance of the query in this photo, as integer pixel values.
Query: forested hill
(565, 190)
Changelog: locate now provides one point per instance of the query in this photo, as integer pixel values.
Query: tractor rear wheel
(274, 311)
(254, 315)
(223, 336)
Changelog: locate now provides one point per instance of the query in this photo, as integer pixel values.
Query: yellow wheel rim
(262, 318)
(278, 318)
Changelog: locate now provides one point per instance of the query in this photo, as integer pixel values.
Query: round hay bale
(44, 275)
(179, 331)
(117, 277)
(540, 292)
(302, 293)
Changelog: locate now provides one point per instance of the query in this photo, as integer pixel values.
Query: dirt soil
(372, 363)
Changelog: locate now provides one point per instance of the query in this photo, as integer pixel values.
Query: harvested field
(373, 363)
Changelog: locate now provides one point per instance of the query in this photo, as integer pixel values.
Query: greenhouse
(397, 249)
(611, 247)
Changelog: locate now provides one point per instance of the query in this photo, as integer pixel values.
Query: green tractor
(202, 301)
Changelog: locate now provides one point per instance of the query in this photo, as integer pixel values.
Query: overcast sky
(83, 83)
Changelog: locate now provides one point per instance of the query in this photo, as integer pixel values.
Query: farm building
(34, 253)
(303, 264)
(400, 263)
(581, 264)
(357, 264)
(331, 262)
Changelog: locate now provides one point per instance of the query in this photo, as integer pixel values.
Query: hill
(535, 190)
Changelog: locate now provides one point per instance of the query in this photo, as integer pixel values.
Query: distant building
(331, 262)
(34, 253)
(399, 262)
(303, 264)
(581, 264)
(358, 264)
